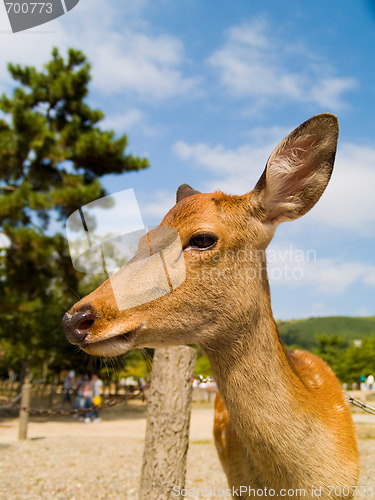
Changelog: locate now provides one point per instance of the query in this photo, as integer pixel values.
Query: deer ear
(183, 191)
(298, 170)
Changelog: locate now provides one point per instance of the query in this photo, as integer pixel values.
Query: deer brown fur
(281, 421)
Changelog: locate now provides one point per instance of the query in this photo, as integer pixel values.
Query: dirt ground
(67, 459)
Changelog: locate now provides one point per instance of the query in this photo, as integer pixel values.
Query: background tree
(330, 348)
(52, 154)
(356, 361)
(202, 366)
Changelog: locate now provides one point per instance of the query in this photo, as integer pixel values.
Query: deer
(282, 423)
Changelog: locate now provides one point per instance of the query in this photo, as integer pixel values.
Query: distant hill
(303, 332)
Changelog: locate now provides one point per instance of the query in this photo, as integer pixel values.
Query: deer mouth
(111, 346)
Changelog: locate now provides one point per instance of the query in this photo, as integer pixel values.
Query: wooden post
(168, 421)
(24, 415)
(52, 394)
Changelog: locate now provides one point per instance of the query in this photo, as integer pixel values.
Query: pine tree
(52, 155)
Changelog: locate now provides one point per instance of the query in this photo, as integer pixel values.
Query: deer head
(223, 240)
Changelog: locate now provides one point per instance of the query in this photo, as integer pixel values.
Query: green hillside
(303, 332)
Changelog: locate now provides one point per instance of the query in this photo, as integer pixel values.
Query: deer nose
(78, 325)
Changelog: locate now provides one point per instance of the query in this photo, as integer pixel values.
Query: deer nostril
(84, 325)
(77, 327)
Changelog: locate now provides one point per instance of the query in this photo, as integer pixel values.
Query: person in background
(68, 387)
(370, 382)
(87, 396)
(79, 401)
(97, 391)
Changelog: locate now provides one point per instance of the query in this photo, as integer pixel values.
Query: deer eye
(202, 241)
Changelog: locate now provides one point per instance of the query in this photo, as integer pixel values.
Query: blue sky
(206, 89)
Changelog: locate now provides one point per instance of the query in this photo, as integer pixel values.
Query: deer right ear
(183, 191)
(298, 170)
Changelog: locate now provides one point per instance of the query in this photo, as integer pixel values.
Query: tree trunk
(168, 420)
(23, 374)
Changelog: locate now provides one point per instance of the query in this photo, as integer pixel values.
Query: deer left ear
(184, 191)
(298, 171)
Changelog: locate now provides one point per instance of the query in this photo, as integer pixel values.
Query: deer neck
(263, 393)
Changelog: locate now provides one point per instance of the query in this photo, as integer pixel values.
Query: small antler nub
(184, 191)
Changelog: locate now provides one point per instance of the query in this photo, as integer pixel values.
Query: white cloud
(236, 170)
(126, 56)
(293, 267)
(31, 47)
(154, 210)
(255, 62)
(331, 277)
(327, 91)
(220, 160)
(348, 202)
(131, 57)
(364, 311)
(123, 121)
(146, 65)
(289, 311)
